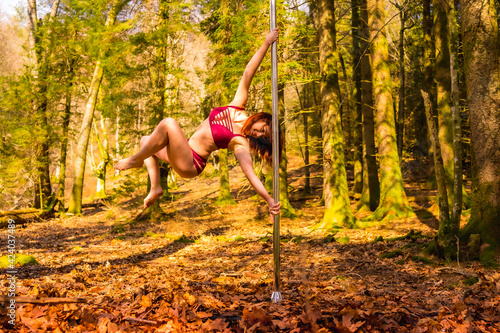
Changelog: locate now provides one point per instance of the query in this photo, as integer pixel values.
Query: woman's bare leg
(157, 140)
(168, 143)
(153, 167)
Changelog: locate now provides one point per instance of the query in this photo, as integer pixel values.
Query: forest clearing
(203, 267)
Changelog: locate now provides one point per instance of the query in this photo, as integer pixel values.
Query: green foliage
(470, 281)
(186, 240)
(20, 260)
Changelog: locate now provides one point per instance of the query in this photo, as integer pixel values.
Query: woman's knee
(143, 141)
(168, 123)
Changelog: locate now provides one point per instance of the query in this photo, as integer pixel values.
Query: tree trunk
(305, 117)
(100, 169)
(225, 197)
(448, 230)
(428, 64)
(442, 19)
(64, 140)
(286, 208)
(40, 56)
(75, 206)
(401, 108)
(482, 73)
(357, 110)
(393, 201)
(458, 187)
(373, 185)
(337, 204)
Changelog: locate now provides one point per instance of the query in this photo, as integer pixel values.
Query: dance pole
(276, 296)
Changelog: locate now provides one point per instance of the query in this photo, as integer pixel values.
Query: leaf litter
(208, 268)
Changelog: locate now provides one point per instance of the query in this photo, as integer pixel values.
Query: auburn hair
(262, 146)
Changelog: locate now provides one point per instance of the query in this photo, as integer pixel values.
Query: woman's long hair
(263, 146)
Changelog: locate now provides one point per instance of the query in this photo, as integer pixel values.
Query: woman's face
(259, 129)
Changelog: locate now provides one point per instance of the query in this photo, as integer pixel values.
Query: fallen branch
(458, 271)
(143, 321)
(41, 300)
(20, 211)
(248, 274)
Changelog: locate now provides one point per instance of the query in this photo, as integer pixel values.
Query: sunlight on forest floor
(206, 268)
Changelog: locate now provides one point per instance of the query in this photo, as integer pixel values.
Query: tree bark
(401, 108)
(40, 56)
(393, 201)
(357, 110)
(371, 193)
(286, 208)
(64, 139)
(482, 73)
(428, 64)
(448, 230)
(335, 191)
(442, 19)
(75, 206)
(458, 187)
(225, 197)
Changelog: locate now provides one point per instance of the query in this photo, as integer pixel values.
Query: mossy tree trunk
(100, 169)
(286, 208)
(357, 110)
(400, 124)
(393, 201)
(75, 206)
(64, 139)
(481, 46)
(335, 191)
(225, 197)
(428, 64)
(448, 229)
(458, 187)
(305, 119)
(442, 71)
(41, 50)
(370, 196)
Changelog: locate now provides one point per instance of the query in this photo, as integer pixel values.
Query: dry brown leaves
(136, 283)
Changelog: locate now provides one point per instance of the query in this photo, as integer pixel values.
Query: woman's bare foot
(153, 195)
(128, 163)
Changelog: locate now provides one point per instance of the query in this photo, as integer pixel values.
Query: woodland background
(375, 96)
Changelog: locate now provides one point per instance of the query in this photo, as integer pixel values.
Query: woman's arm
(243, 156)
(240, 99)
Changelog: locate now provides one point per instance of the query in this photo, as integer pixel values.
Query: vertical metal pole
(276, 296)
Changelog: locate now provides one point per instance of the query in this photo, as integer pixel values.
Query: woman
(226, 127)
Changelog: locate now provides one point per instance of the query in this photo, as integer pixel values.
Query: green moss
(488, 257)
(400, 261)
(330, 238)
(19, 260)
(378, 239)
(120, 238)
(343, 240)
(431, 248)
(118, 229)
(470, 281)
(423, 260)
(239, 239)
(186, 240)
(392, 254)
(298, 239)
(223, 238)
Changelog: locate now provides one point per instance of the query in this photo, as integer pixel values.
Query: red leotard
(221, 126)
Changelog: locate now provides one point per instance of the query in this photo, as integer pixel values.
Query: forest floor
(208, 268)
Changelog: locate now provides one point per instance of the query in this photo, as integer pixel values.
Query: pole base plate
(276, 297)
